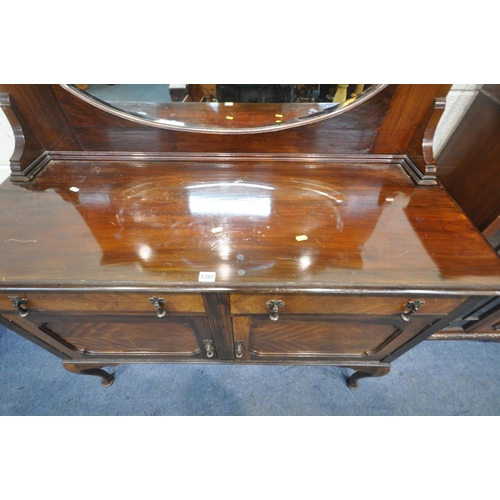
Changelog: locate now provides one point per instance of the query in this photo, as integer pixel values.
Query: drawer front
(340, 304)
(98, 302)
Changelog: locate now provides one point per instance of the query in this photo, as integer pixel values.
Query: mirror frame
(206, 129)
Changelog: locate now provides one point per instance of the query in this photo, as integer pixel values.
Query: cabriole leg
(96, 370)
(364, 372)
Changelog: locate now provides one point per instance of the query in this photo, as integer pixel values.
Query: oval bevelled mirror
(225, 108)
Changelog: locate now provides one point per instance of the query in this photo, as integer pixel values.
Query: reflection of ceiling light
(224, 271)
(145, 252)
(235, 198)
(304, 262)
(242, 205)
(171, 122)
(224, 250)
(229, 185)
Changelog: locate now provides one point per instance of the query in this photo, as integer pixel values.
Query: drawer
(340, 304)
(105, 302)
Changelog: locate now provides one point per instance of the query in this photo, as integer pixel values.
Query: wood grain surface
(299, 225)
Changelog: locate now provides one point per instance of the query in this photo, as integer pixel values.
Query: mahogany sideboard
(323, 241)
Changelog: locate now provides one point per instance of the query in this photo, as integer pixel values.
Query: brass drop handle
(18, 303)
(159, 305)
(209, 347)
(275, 305)
(238, 348)
(411, 308)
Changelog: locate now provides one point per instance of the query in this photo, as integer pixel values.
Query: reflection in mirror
(224, 108)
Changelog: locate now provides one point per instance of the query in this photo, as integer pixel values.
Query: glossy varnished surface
(263, 225)
(223, 116)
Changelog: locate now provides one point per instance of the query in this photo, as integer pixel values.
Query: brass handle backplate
(209, 347)
(159, 305)
(411, 308)
(238, 348)
(18, 303)
(275, 306)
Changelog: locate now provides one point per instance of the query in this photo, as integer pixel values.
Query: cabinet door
(334, 338)
(179, 337)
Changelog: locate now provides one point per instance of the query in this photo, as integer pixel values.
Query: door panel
(369, 337)
(179, 337)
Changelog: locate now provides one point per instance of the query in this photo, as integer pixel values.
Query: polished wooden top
(295, 225)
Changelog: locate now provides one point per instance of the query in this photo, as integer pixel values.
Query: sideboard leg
(107, 378)
(364, 372)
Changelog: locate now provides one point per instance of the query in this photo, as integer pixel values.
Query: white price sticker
(206, 277)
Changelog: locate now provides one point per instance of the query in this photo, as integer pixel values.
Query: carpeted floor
(436, 378)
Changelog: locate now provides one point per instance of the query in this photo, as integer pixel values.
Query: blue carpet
(436, 378)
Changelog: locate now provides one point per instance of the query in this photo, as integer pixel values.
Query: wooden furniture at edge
(469, 169)
(325, 243)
